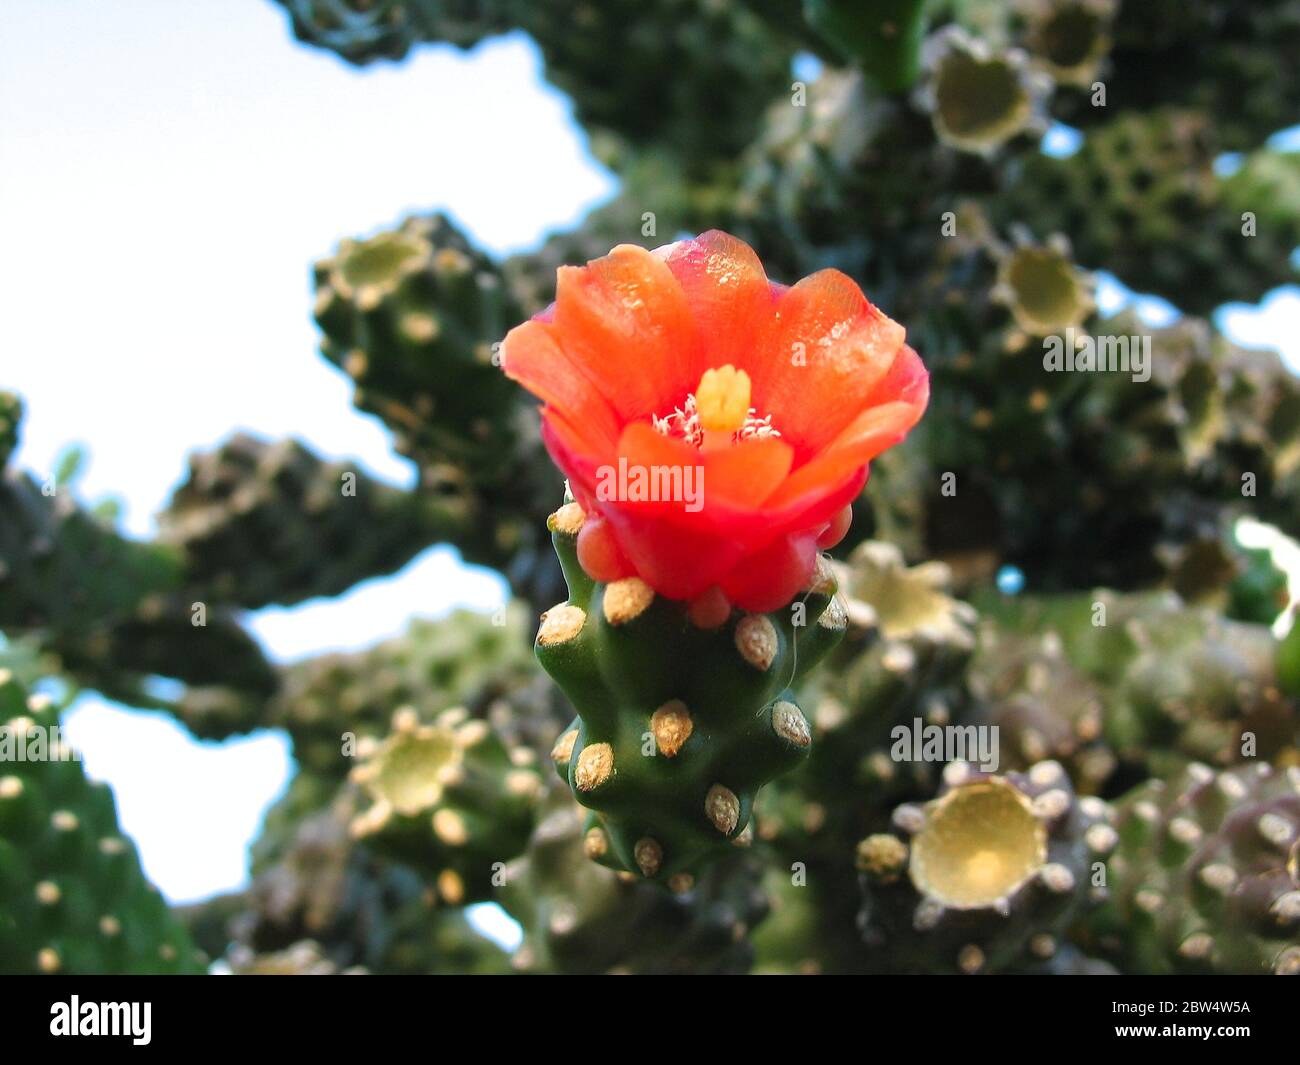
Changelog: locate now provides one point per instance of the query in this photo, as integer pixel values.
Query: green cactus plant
(1141, 197)
(114, 610)
(919, 172)
(1044, 708)
(723, 52)
(907, 647)
(1258, 590)
(269, 522)
(411, 314)
(226, 675)
(465, 659)
(358, 911)
(362, 31)
(985, 876)
(683, 712)
(789, 941)
(902, 662)
(849, 179)
(1178, 683)
(72, 896)
(1206, 877)
(1231, 61)
(1204, 434)
(65, 569)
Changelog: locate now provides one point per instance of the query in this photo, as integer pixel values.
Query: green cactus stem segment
(884, 38)
(73, 899)
(684, 710)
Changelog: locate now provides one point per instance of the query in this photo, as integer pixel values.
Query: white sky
(168, 172)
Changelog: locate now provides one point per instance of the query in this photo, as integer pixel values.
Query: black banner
(376, 1015)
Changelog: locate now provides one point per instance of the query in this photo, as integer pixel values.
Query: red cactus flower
(714, 426)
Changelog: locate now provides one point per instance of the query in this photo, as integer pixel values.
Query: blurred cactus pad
(1042, 715)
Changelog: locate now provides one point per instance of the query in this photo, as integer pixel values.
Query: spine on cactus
(715, 428)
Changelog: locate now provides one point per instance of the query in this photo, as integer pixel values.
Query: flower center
(717, 414)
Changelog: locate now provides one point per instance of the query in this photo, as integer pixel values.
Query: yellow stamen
(722, 400)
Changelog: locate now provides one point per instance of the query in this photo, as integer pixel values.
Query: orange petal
(665, 467)
(678, 561)
(643, 443)
(907, 380)
(729, 295)
(771, 578)
(532, 356)
(900, 398)
(572, 448)
(624, 319)
(745, 474)
(871, 433)
(826, 350)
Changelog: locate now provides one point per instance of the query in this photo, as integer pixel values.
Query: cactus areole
(714, 427)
